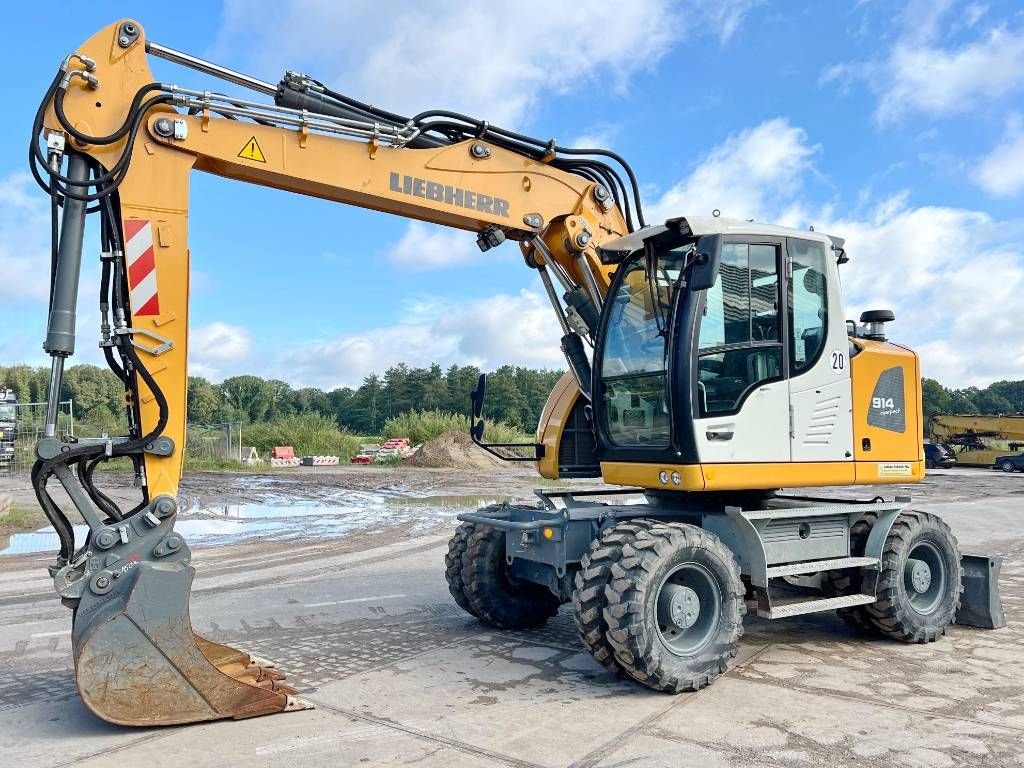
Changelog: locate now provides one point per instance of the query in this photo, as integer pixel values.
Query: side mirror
(704, 271)
(476, 430)
(476, 397)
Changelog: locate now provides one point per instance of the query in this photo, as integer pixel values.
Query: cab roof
(616, 250)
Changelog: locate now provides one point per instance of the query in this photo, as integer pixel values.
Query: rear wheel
(921, 580)
(589, 599)
(454, 559)
(1007, 466)
(929, 464)
(675, 607)
(494, 595)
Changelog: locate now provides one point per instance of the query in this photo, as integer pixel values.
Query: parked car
(1011, 462)
(938, 455)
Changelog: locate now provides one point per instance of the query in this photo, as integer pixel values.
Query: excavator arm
(122, 145)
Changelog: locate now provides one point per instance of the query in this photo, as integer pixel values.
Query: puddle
(454, 502)
(343, 513)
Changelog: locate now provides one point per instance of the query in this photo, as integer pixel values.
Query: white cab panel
(820, 395)
(759, 432)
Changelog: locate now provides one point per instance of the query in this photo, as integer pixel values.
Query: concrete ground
(400, 676)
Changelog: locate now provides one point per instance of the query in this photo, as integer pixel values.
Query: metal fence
(18, 450)
(204, 442)
(214, 442)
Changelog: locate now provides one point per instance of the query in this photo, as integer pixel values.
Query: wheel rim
(1007, 466)
(688, 606)
(924, 577)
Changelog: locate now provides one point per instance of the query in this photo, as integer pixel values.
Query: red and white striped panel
(138, 251)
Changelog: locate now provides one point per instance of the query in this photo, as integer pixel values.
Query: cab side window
(808, 304)
(739, 346)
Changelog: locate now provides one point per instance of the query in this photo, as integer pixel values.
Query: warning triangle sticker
(252, 151)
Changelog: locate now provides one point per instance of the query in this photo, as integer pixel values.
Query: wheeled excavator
(709, 364)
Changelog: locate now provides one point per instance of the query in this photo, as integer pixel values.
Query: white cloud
(216, 349)
(494, 61)
(954, 278)
(599, 136)
(724, 18)
(430, 246)
(488, 332)
(754, 174)
(938, 81)
(923, 72)
(24, 239)
(1001, 172)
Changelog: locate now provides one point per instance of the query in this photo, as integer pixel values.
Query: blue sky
(899, 127)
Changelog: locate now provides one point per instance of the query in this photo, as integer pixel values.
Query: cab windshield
(8, 412)
(635, 359)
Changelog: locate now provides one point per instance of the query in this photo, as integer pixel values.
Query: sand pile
(454, 450)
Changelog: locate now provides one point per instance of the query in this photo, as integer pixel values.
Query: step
(814, 566)
(815, 606)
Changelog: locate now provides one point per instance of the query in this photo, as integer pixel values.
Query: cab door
(818, 352)
(741, 388)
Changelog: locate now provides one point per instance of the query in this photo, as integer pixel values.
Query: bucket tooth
(137, 661)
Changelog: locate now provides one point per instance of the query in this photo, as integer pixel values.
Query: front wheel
(1007, 466)
(675, 607)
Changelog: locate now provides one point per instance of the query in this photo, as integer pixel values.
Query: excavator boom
(123, 145)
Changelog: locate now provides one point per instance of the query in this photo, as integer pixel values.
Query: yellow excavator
(980, 440)
(709, 365)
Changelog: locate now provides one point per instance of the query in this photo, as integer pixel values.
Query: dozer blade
(138, 662)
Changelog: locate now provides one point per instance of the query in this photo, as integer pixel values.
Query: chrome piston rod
(60, 327)
(209, 68)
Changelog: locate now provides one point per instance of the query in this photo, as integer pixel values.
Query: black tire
(589, 600)
(900, 612)
(454, 559)
(929, 464)
(635, 630)
(494, 596)
(848, 582)
(1007, 466)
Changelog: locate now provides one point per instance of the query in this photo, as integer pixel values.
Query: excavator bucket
(137, 660)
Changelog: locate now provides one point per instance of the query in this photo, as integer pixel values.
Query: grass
(421, 426)
(205, 463)
(22, 518)
(309, 434)
(316, 435)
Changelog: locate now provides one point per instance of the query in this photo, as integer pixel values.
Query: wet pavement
(277, 518)
(401, 676)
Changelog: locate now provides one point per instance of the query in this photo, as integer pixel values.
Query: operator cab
(718, 336)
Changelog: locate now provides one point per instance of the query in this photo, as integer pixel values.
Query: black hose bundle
(452, 127)
(121, 356)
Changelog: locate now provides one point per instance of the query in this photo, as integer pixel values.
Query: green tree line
(515, 395)
(1001, 397)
